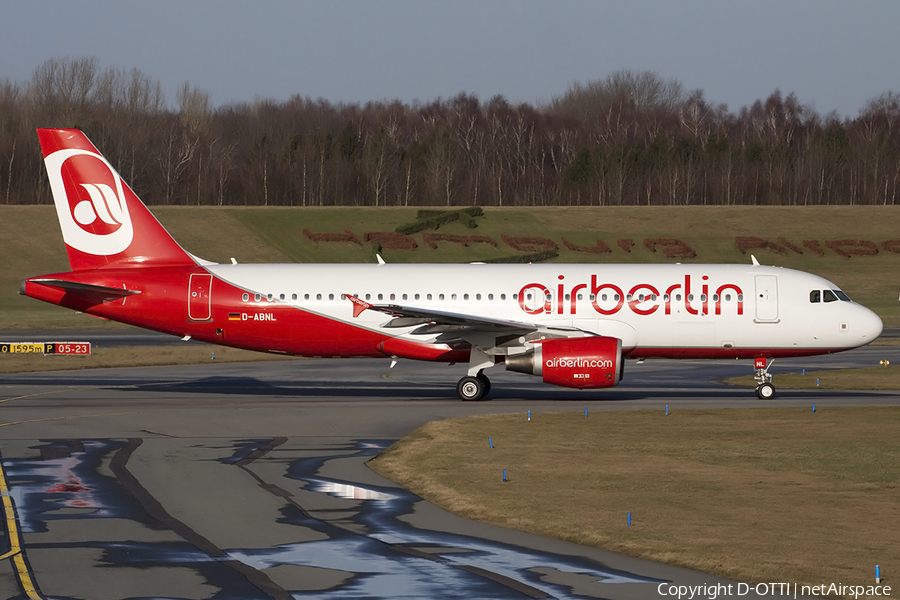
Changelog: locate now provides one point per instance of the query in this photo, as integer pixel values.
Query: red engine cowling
(589, 362)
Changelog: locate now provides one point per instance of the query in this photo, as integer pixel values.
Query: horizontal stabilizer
(102, 290)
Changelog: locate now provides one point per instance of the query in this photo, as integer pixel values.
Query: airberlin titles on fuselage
(642, 299)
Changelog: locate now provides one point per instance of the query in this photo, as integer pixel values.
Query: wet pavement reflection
(354, 538)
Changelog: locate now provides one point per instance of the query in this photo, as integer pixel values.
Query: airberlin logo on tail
(90, 202)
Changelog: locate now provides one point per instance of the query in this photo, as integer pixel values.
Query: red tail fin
(103, 222)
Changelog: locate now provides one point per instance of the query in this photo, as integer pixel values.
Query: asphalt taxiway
(249, 481)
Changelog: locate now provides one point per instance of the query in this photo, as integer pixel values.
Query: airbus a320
(570, 324)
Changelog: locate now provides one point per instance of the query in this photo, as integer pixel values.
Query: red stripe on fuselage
(162, 305)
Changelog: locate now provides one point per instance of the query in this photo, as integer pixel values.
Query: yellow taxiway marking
(16, 552)
(90, 387)
(68, 389)
(64, 418)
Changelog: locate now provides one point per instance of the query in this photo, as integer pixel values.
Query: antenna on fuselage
(755, 262)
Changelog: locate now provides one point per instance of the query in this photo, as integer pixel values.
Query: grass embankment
(130, 356)
(755, 495)
(33, 246)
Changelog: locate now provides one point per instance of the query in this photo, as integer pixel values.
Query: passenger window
(293, 296)
(393, 296)
(331, 296)
(829, 296)
(281, 297)
(417, 296)
(815, 296)
(727, 297)
(381, 296)
(306, 296)
(245, 297)
(478, 296)
(257, 297)
(404, 296)
(269, 297)
(465, 296)
(429, 296)
(740, 297)
(490, 296)
(318, 296)
(453, 296)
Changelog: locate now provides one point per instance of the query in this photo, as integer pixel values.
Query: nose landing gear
(764, 388)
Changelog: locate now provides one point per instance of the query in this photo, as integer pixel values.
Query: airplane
(570, 324)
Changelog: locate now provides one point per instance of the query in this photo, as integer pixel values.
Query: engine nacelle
(589, 362)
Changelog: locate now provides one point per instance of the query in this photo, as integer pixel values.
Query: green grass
(33, 246)
(755, 495)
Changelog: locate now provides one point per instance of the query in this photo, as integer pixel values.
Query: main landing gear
(471, 388)
(475, 385)
(764, 388)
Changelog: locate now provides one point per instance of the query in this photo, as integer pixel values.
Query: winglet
(755, 262)
(380, 260)
(358, 305)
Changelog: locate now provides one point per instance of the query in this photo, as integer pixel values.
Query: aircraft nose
(869, 326)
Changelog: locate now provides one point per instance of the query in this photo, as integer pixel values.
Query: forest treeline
(629, 139)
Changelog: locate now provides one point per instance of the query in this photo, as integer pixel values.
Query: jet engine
(588, 362)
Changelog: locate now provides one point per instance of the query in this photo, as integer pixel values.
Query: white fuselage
(653, 309)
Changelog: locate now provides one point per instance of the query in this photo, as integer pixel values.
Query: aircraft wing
(430, 322)
(437, 321)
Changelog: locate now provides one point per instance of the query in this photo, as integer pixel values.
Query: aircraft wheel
(470, 389)
(486, 382)
(765, 391)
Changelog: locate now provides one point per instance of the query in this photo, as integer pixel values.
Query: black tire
(486, 382)
(765, 391)
(470, 389)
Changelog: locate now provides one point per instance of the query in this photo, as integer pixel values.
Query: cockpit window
(815, 296)
(842, 296)
(829, 296)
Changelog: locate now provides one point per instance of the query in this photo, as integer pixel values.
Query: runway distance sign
(22, 348)
(67, 348)
(63, 348)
